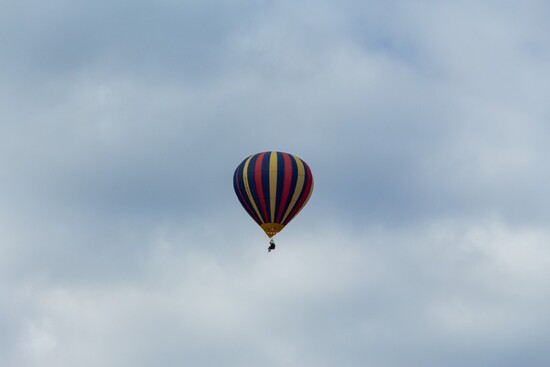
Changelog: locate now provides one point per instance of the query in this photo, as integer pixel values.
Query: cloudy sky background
(426, 241)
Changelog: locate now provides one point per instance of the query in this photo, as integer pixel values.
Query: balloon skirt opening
(271, 229)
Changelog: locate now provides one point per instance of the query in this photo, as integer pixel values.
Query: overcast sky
(426, 241)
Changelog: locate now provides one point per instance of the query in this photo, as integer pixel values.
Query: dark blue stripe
(298, 206)
(239, 185)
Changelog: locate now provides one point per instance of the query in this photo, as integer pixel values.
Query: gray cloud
(121, 241)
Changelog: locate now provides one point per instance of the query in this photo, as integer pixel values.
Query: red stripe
(287, 180)
(303, 195)
(259, 184)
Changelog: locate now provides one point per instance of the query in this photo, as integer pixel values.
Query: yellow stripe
(299, 186)
(273, 182)
(247, 188)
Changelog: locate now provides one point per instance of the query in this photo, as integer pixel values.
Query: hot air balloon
(273, 187)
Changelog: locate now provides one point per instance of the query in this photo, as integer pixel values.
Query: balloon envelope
(273, 187)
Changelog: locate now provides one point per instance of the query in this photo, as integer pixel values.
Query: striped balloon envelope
(273, 187)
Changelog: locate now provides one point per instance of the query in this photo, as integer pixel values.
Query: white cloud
(315, 297)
